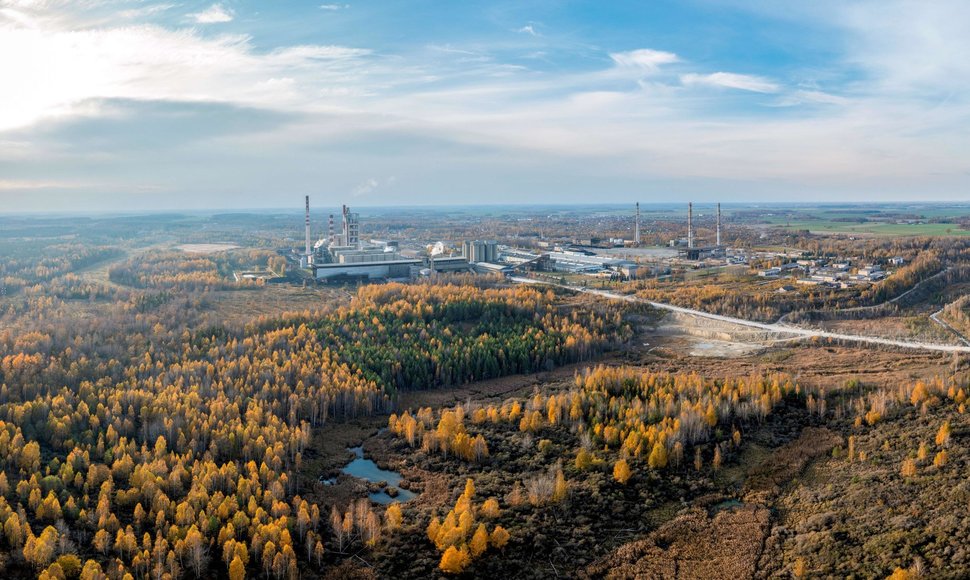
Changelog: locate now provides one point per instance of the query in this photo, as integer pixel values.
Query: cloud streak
(644, 58)
(728, 80)
(215, 14)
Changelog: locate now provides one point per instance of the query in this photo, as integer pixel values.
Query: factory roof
(577, 258)
(365, 264)
(492, 266)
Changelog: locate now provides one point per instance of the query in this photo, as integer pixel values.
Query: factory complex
(342, 254)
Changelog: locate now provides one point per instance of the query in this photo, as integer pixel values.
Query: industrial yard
(346, 253)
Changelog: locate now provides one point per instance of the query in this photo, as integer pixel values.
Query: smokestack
(308, 225)
(690, 224)
(636, 232)
(718, 224)
(330, 233)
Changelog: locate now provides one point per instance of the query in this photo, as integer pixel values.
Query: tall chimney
(330, 233)
(636, 232)
(718, 224)
(690, 224)
(308, 225)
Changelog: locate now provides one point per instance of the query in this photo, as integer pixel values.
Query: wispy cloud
(644, 58)
(147, 11)
(804, 96)
(728, 80)
(215, 14)
(32, 185)
(528, 29)
(334, 7)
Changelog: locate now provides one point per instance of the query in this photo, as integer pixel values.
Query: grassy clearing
(872, 228)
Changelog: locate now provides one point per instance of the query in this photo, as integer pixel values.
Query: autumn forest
(162, 418)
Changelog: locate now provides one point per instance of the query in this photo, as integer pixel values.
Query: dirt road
(770, 327)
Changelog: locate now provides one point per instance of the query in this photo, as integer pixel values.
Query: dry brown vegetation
(856, 513)
(724, 546)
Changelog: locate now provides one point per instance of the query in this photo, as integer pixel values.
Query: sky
(143, 105)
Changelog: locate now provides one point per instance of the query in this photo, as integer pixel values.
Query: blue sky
(127, 104)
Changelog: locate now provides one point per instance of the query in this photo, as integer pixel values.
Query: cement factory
(343, 255)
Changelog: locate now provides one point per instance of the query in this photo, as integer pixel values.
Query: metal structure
(690, 225)
(309, 249)
(351, 228)
(718, 243)
(636, 230)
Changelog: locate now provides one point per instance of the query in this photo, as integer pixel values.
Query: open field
(871, 228)
(207, 248)
(912, 328)
(241, 306)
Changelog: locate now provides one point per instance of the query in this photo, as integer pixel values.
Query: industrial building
(370, 262)
(342, 256)
(480, 251)
(399, 268)
(492, 268)
(576, 262)
(694, 252)
(448, 264)
(349, 236)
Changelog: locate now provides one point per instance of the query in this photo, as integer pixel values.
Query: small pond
(368, 471)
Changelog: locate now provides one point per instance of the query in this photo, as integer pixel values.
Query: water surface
(367, 470)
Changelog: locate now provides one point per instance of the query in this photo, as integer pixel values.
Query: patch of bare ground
(242, 306)
(692, 545)
(915, 328)
(727, 544)
(352, 569)
(813, 363)
(210, 248)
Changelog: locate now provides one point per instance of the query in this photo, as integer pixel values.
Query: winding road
(770, 327)
(935, 317)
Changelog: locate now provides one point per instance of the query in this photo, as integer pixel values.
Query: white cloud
(215, 14)
(643, 58)
(813, 96)
(145, 11)
(728, 80)
(31, 185)
(528, 29)
(334, 7)
(68, 67)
